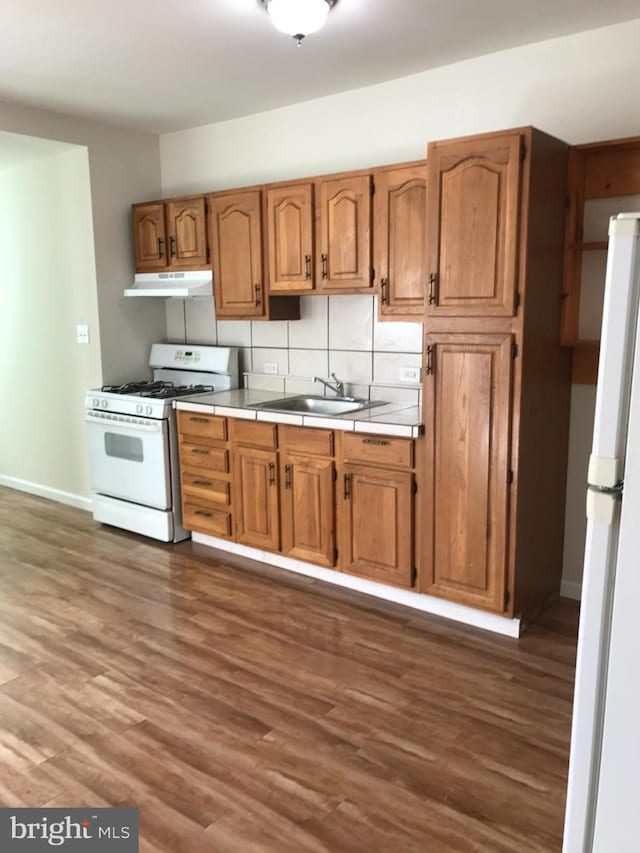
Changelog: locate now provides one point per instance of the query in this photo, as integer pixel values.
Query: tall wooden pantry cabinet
(497, 381)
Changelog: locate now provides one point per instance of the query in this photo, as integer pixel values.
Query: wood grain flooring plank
(246, 710)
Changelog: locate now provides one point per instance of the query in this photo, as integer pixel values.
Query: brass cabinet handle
(256, 288)
(433, 288)
(202, 483)
(384, 299)
(287, 476)
(199, 420)
(160, 246)
(172, 242)
(272, 473)
(323, 259)
(346, 480)
(381, 442)
(307, 265)
(203, 512)
(199, 452)
(429, 360)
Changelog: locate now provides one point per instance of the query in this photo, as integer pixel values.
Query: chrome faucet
(337, 386)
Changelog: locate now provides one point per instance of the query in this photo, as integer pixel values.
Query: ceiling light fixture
(298, 18)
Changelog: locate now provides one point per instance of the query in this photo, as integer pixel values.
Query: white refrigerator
(603, 795)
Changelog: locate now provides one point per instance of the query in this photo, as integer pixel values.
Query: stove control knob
(139, 409)
(95, 402)
(104, 404)
(148, 410)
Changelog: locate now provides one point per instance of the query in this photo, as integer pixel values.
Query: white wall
(47, 286)
(124, 168)
(581, 88)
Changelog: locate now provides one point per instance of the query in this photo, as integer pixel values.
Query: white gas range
(133, 442)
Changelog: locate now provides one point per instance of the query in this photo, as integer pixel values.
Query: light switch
(82, 333)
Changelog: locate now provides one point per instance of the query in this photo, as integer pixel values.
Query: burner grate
(140, 387)
(176, 391)
(157, 390)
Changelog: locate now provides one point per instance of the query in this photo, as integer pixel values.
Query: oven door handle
(123, 422)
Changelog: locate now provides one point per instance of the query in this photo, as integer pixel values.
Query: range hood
(176, 284)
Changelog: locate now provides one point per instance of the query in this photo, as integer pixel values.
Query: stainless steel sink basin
(309, 404)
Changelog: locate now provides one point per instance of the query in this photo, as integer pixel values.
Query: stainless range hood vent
(180, 285)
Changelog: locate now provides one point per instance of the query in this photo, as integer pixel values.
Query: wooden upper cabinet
(187, 233)
(467, 426)
(255, 497)
(235, 235)
(149, 237)
(290, 238)
(344, 233)
(377, 524)
(400, 240)
(473, 225)
(308, 509)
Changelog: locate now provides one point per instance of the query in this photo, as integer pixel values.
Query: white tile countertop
(396, 419)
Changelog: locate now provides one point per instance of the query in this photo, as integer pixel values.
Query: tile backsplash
(336, 334)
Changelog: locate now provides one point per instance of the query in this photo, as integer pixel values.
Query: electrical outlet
(270, 367)
(82, 333)
(409, 375)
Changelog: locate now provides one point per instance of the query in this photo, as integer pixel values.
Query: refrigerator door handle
(605, 472)
(603, 504)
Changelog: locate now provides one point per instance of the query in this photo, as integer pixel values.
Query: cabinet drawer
(205, 518)
(199, 485)
(316, 442)
(378, 450)
(254, 434)
(200, 456)
(203, 426)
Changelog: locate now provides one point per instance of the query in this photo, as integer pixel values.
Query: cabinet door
(344, 229)
(467, 446)
(400, 240)
(290, 238)
(235, 228)
(187, 233)
(255, 498)
(377, 524)
(472, 225)
(308, 509)
(149, 237)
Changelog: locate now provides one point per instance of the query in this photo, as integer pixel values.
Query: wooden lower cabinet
(376, 517)
(308, 509)
(466, 504)
(255, 498)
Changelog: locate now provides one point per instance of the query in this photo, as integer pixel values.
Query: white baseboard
(46, 492)
(418, 601)
(571, 589)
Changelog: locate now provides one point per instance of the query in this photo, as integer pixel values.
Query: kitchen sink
(309, 404)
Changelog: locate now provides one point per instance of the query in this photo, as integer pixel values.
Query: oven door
(129, 458)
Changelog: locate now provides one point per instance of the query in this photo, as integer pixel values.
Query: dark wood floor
(250, 710)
